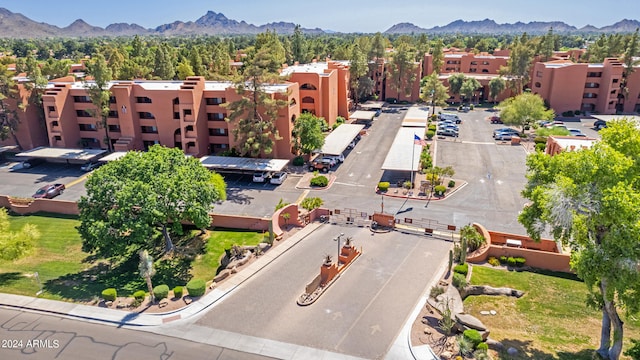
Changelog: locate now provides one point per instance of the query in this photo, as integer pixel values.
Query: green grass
(66, 273)
(551, 321)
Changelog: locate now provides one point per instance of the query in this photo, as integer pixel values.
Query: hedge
(109, 294)
(177, 292)
(483, 346)
(473, 336)
(383, 185)
(196, 287)
(139, 295)
(459, 281)
(298, 161)
(320, 181)
(430, 134)
(451, 184)
(439, 190)
(160, 292)
(461, 269)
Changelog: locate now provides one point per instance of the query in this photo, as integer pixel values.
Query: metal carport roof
(399, 155)
(362, 115)
(62, 153)
(372, 105)
(338, 140)
(228, 163)
(416, 116)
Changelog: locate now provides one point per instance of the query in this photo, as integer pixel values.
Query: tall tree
(589, 200)
(496, 87)
(434, 91)
(455, 83)
(15, 244)
(99, 93)
(269, 52)
(307, 133)
(9, 119)
(422, 47)
(548, 45)
(162, 66)
(130, 200)
(36, 86)
(519, 63)
(184, 70)
(195, 60)
(378, 47)
(54, 69)
(403, 70)
(358, 68)
(468, 88)
(255, 132)
(523, 109)
(630, 60)
(437, 56)
(298, 45)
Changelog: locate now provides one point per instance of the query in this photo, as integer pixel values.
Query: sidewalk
(124, 318)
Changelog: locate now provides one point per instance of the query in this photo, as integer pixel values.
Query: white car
(336, 158)
(278, 178)
(90, 166)
(260, 176)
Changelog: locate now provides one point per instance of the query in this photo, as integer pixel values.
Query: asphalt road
(34, 336)
(359, 315)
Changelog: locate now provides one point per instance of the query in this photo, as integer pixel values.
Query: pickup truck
(321, 165)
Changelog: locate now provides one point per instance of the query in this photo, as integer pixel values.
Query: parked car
(28, 164)
(319, 165)
(576, 132)
(495, 119)
(504, 135)
(554, 123)
(448, 126)
(278, 178)
(503, 130)
(378, 112)
(332, 161)
(447, 132)
(49, 191)
(599, 124)
(351, 145)
(336, 158)
(90, 166)
(448, 116)
(260, 176)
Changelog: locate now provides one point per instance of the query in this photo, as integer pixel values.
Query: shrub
(471, 107)
(520, 261)
(493, 261)
(540, 139)
(541, 147)
(451, 183)
(482, 346)
(430, 134)
(139, 295)
(311, 203)
(407, 185)
(340, 120)
(109, 294)
(503, 260)
(334, 126)
(473, 336)
(383, 185)
(196, 287)
(439, 190)
(634, 350)
(432, 127)
(461, 269)
(577, 112)
(320, 181)
(459, 281)
(298, 161)
(160, 292)
(177, 292)
(436, 291)
(511, 261)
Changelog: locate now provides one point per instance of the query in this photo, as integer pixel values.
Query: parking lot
(20, 182)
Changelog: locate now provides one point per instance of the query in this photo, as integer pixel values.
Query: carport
(416, 116)
(240, 165)
(372, 105)
(362, 115)
(339, 139)
(404, 154)
(113, 156)
(62, 155)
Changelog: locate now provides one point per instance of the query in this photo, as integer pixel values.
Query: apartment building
(185, 114)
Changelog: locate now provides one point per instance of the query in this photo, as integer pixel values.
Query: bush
(177, 292)
(511, 261)
(320, 181)
(432, 127)
(473, 336)
(407, 185)
(471, 107)
(503, 260)
(436, 291)
(139, 295)
(461, 269)
(634, 350)
(298, 161)
(577, 112)
(520, 261)
(439, 190)
(430, 134)
(196, 287)
(160, 292)
(482, 346)
(451, 183)
(540, 139)
(541, 147)
(311, 203)
(459, 281)
(109, 294)
(493, 261)
(383, 185)
(334, 126)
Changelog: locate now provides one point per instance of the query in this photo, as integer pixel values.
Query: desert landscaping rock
(512, 351)
(470, 321)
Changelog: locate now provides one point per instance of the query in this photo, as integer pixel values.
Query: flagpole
(413, 150)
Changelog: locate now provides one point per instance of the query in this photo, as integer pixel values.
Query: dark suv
(599, 124)
(28, 164)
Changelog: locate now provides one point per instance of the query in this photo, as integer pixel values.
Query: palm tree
(147, 271)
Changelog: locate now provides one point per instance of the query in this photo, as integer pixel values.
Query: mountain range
(15, 25)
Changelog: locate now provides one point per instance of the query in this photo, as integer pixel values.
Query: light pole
(433, 103)
(337, 238)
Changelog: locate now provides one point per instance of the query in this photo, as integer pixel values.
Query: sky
(368, 16)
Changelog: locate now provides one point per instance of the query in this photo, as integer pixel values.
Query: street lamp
(433, 106)
(338, 238)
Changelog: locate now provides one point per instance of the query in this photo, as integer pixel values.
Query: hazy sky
(338, 15)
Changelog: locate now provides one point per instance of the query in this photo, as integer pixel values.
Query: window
(81, 99)
(147, 144)
(215, 101)
(51, 108)
(292, 102)
(485, 70)
(474, 63)
(87, 127)
(308, 100)
(308, 86)
(615, 81)
(485, 63)
(187, 112)
(112, 99)
(537, 84)
(54, 124)
(143, 100)
(591, 85)
(589, 96)
(218, 132)
(114, 128)
(613, 91)
(113, 113)
(149, 129)
(83, 113)
(538, 73)
(188, 128)
(594, 74)
(146, 115)
(57, 138)
(215, 116)
(473, 70)
(176, 101)
(176, 115)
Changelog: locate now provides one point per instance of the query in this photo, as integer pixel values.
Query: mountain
(81, 29)
(14, 25)
(488, 26)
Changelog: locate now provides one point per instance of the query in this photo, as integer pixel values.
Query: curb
(424, 198)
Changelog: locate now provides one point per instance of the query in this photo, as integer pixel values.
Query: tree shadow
(526, 352)
(9, 278)
(236, 195)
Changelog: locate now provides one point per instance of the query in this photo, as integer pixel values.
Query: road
(359, 315)
(35, 336)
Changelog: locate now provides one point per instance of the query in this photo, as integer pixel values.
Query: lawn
(66, 273)
(551, 321)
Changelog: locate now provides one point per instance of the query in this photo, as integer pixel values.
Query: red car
(49, 191)
(495, 119)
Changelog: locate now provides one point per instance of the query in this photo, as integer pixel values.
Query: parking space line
(302, 196)
(76, 181)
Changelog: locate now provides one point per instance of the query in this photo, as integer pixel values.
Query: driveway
(359, 315)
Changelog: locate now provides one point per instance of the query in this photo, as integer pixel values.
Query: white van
(449, 116)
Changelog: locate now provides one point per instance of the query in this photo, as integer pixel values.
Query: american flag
(418, 141)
